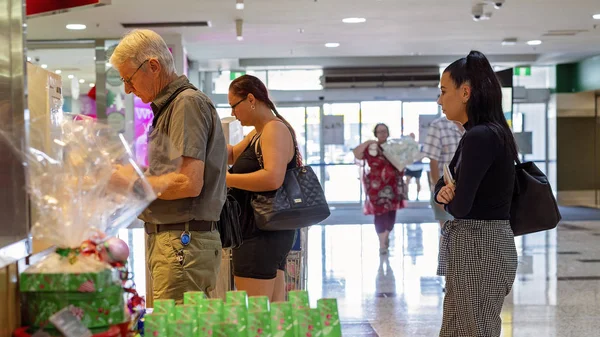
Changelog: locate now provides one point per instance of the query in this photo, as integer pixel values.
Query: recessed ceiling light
(509, 42)
(82, 81)
(92, 85)
(534, 42)
(240, 38)
(76, 26)
(354, 20)
(239, 4)
(596, 16)
(58, 71)
(332, 45)
(44, 66)
(70, 77)
(28, 59)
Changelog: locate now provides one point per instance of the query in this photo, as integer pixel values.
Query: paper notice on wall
(333, 130)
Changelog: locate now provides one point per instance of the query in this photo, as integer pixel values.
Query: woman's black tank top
(247, 162)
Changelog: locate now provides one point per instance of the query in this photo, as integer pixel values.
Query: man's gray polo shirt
(186, 124)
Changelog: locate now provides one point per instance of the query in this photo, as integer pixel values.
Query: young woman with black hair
(477, 251)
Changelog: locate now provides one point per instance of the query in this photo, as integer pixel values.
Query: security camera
(478, 13)
(497, 3)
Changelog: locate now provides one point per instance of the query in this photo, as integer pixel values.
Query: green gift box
(181, 329)
(299, 299)
(206, 322)
(193, 297)
(213, 305)
(156, 325)
(330, 317)
(259, 324)
(225, 330)
(315, 316)
(165, 306)
(282, 324)
(187, 313)
(238, 315)
(64, 282)
(237, 298)
(304, 323)
(258, 303)
(101, 308)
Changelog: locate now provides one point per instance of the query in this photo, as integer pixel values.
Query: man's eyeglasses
(128, 81)
(238, 103)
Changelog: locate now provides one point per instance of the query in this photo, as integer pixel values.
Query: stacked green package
(259, 324)
(282, 324)
(237, 298)
(179, 328)
(299, 299)
(238, 315)
(225, 330)
(193, 297)
(155, 325)
(258, 303)
(206, 321)
(166, 307)
(213, 305)
(188, 313)
(330, 317)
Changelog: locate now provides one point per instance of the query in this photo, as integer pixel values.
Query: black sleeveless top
(247, 162)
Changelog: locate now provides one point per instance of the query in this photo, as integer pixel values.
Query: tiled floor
(556, 293)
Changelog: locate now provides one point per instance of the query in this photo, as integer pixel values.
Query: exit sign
(523, 71)
(235, 74)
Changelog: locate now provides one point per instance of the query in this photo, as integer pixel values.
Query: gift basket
(83, 191)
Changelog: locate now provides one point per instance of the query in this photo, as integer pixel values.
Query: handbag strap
(258, 152)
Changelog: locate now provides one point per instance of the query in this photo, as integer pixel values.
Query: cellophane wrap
(402, 152)
(71, 182)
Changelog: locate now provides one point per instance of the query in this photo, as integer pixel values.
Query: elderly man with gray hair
(187, 164)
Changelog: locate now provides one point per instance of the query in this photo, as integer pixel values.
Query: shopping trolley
(295, 273)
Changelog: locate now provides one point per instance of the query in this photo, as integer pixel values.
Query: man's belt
(193, 225)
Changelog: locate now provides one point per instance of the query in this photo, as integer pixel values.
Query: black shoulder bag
(533, 207)
(229, 223)
(299, 202)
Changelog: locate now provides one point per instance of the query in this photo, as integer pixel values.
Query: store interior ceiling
(293, 33)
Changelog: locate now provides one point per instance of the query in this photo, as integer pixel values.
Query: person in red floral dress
(384, 186)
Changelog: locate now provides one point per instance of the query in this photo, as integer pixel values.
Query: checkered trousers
(479, 260)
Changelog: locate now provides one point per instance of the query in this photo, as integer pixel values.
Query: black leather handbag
(533, 207)
(299, 202)
(229, 223)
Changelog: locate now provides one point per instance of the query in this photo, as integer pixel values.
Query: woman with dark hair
(477, 250)
(381, 182)
(260, 162)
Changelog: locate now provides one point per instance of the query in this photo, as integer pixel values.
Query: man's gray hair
(140, 45)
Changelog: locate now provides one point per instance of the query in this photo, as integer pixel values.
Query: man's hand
(123, 177)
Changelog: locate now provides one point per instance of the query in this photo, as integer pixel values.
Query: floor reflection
(556, 292)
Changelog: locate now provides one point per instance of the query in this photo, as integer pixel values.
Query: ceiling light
(354, 20)
(28, 59)
(76, 26)
(44, 66)
(92, 85)
(82, 81)
(70, 77)
(596, 16)
(332, 45)
(58, 71)
(509, 42)
(239, 4)
(238, 29)
(534, 42)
